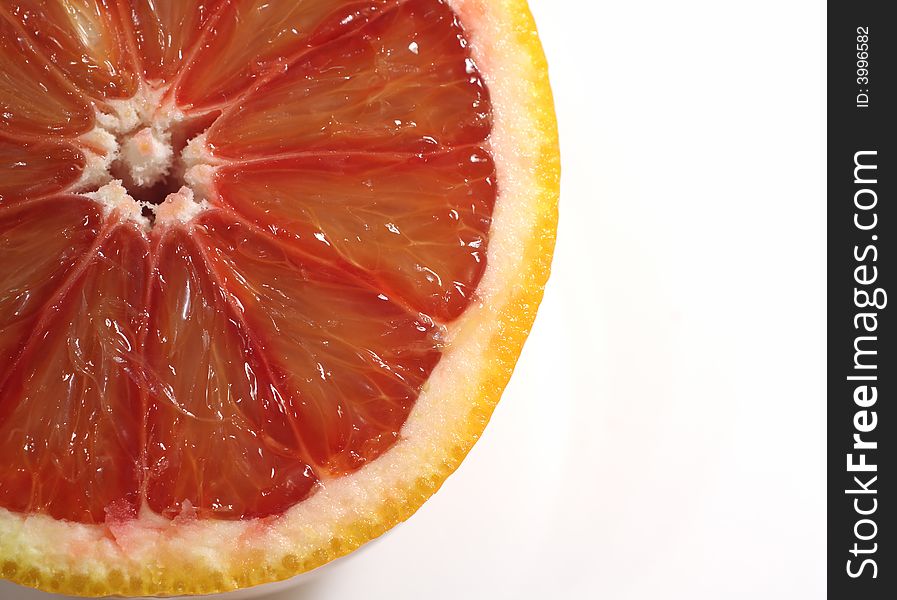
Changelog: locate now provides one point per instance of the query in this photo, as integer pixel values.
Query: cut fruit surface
(82, 39)
(165, 33)
(256, 39)
(219, 435)
(36, 169)
(417, 225)
(75, 455)
(405, 83)
(349, 360)
(34, 98)
(265, 268)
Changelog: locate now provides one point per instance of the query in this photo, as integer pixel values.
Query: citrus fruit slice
(265, 268)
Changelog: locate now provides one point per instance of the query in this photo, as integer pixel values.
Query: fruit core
(149, 173)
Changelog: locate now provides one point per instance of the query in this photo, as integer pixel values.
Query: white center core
(147, 154)
(134, 169)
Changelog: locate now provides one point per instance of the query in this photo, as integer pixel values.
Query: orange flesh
(225, 366)
(81, 39)
(36, 169)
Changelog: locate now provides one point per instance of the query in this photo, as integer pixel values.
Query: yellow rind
(515, 317)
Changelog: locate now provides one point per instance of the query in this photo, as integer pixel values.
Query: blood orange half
(265, 268)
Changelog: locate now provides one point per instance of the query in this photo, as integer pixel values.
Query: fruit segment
(81, 38)
(45, 239)
(165, 32)
(404, 83)
(348, 359)
(36, 169)
(75, 456)
(34, 98)
(419, 225)
(256, 38)
(220, 442)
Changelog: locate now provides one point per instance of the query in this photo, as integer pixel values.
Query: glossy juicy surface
(226, 366)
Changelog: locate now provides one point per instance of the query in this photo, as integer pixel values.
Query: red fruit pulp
(226, 366)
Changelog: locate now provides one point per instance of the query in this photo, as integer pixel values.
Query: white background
(663, 435)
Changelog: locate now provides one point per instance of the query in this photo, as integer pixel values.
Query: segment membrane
(417, 225)
(404, 83)
(36, 169)
(166, 31)
(34, 98)
(81, 38)
(69, 419)
(219, 435)
(255, 38)
(347, 359)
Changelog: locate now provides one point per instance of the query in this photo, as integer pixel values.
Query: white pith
(130, 146)
(439, 413)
